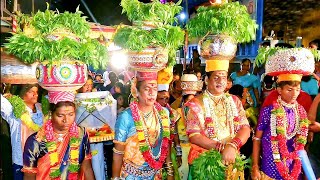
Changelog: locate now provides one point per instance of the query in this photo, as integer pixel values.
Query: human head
(120, 99)
(245, 65)
(29, 93)
(146, 88)
(63, 115)
(88, 86)
(236, 90)
(121, 77)
(187, 97)
(163, 98)
(289, 90)
(98, 78)
(195, 53)
(147, 92)
(216, 81)
(113, 77)
(199, 75)
(315, 44)
(118, 87)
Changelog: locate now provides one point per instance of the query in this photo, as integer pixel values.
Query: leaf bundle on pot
(230, 19)
(55, 36)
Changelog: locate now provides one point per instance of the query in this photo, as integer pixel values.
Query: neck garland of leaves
(209, 166)
(265, 52)
(31, 44)
(19, 106)
(230, 19)
(136, 38)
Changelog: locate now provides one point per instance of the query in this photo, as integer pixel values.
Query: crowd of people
(166, 121)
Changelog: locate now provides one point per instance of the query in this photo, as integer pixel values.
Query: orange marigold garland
(51, 145)
(144, 147)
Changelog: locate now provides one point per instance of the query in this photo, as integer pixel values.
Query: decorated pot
(290, 61)
(217, 47)
(65, 75)
(149, 59)
(190, 84)
(14, 71)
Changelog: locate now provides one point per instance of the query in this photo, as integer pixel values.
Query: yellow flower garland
(26, 119)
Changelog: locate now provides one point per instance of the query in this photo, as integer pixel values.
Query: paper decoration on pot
(62, 76)
(290, 64)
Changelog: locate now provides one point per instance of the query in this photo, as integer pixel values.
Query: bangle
(232, 145)
(256, 139)
(117, 151)
(237, 142)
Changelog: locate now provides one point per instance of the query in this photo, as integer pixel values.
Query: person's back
(310, 85)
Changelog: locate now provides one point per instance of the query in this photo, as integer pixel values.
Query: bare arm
(169, 162)
(86, 168)
(29, 176)
(256, 155)
(229, 152)
(117, 160)
(256, 94)
(203, 141)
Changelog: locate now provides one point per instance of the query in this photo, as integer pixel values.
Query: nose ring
(150, 94)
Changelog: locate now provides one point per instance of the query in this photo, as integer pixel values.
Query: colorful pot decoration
(14, 71)
(149, 59)
(190, 84)
(68, 75)
(217, 47)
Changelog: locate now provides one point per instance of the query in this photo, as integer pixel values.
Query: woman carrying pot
(142, 134)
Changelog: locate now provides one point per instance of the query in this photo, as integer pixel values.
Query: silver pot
(217, 47)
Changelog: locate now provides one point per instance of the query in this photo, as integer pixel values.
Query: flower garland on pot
(144, 147)
(51, 144)
(279, 138)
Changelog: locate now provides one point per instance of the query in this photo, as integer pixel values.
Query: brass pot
(217, 47)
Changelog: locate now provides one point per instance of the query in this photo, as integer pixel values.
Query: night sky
(106, 12)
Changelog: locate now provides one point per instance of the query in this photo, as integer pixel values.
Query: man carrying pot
(215, 119)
